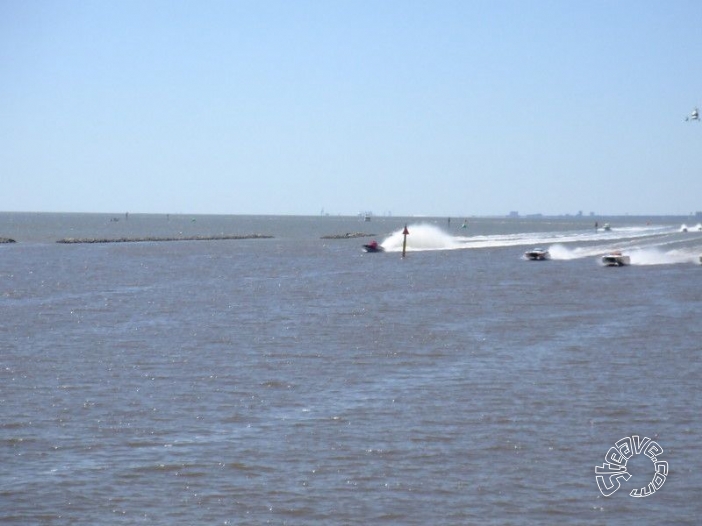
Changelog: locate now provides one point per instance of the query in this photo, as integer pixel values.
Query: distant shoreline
(531, 216)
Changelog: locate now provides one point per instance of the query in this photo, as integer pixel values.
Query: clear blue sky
(446, 108)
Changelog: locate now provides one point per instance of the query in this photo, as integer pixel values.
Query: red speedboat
(373, 246)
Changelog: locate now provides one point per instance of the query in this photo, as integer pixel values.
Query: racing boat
(615, 259)
(373, 246)
(537, 254)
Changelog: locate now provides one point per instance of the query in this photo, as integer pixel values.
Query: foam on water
(579, 236)
(646, 245)
(563, 252)
(654, 256)
(421, 236)
(641, 255)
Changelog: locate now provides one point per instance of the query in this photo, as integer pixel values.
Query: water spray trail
(646, 245)
(421, 237)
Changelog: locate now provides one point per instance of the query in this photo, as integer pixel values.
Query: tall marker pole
(405, 233)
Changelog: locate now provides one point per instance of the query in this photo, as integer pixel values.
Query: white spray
(421, 236)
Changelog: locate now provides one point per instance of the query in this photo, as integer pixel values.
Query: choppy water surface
(297, 380)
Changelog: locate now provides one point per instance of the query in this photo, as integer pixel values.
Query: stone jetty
(6, 240)
(348, 235)
(74, 240)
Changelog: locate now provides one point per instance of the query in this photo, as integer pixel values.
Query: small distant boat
(537, 254)
(373, 246)
(606, 227)
(615, 259)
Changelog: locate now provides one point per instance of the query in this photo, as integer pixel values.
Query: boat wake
(640, 255)
(654, 256)
(421, 237)
(646, 245)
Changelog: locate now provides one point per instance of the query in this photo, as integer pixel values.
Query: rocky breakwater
(348, 235)
(223, 237)
(6, 240)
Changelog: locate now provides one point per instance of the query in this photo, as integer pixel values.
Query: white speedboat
(537, 254)
(615, 259)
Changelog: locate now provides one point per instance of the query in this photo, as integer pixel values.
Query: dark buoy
(405, 233)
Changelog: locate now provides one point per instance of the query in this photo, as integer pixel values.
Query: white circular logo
(609, 474)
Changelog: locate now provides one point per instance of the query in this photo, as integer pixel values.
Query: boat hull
(537, 255)
(615, 260)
